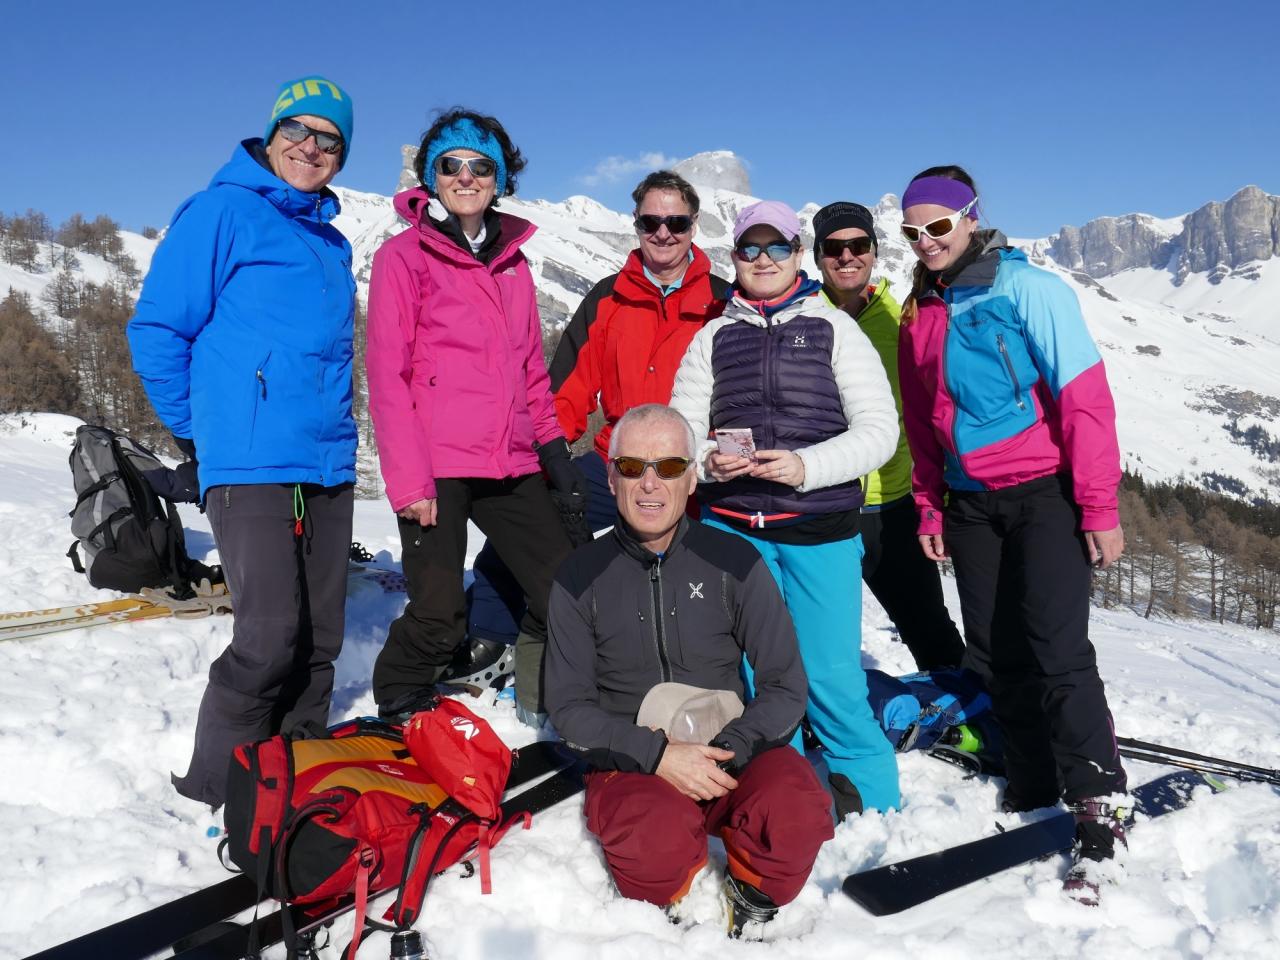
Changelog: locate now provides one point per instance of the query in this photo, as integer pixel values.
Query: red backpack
(366, 808)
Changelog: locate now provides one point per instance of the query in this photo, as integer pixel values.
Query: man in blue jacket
(243, 340)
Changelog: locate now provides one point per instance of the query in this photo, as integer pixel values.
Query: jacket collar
(511, 231)
(249, 168)
(877, 291)
(978, 266)
(632, 284)
(792, 305)
(636, 550)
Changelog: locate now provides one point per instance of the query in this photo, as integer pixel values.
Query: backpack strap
(73, 555)
(415, 879)
(104, 528)
(489, 839)
(362, 899)
(100, 484)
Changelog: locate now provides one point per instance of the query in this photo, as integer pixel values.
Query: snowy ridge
(1187, 355)
(91, 723)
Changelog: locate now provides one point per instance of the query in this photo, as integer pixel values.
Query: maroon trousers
(655, 838)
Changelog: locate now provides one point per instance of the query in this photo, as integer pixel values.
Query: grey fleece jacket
(623, 619)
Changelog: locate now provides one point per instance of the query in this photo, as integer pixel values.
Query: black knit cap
(838, 216)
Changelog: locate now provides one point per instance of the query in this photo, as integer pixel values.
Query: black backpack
(131, 538)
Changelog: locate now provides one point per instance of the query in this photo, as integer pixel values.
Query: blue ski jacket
(243, 332)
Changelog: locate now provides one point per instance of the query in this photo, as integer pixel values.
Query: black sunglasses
(858, 246)
(677, 223)
(778, 251)
(668, 468)
(480, 167)
(295, 131)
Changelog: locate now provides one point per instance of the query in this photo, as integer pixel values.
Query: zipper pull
(262, 381)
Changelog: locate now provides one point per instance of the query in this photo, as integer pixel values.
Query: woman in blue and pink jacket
(1012, 428)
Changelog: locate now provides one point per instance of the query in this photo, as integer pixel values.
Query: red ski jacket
(625, 342)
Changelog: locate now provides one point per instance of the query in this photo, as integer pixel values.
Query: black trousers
(520, 521)
(290, 595)
(495, 602)
(907, 584)
(1023, 572)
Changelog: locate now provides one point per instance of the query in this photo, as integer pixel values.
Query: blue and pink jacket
(1002, 384)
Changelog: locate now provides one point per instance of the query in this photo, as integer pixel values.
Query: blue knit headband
(464, 135)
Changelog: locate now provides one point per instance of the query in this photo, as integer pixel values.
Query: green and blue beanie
(320, 98)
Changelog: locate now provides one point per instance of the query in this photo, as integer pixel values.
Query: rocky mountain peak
(1215, 239)
(717, 169)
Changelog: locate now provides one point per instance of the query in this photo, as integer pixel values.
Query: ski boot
(402, 708)
(480, 664)
(749, 909)
(1100, 830)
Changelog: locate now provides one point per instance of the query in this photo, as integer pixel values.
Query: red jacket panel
(625, 342)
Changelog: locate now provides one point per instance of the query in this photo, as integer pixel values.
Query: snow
(91, 723)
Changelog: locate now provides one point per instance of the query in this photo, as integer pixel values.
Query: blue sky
(1063, 112)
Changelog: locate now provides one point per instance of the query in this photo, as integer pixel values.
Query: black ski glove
(563, 475)
(182, 483)
(568, 489)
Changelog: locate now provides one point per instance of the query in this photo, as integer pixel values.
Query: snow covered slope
(92, 722)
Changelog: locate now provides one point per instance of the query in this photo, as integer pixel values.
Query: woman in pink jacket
(463, 413)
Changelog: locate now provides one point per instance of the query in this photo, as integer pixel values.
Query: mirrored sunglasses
(777, 251)
(295, 131)
(675, 224)
(937, 229)
(858, 246)
(480, 167)
(668, 468)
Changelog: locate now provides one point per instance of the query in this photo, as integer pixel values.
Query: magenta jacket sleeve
(1089, 436)
(1070, 364)
(542, 406)
(403, 448)
(927, 479)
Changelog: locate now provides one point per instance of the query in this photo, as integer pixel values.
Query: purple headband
(945, 192)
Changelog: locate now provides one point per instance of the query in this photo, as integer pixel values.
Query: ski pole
(1188, 755)
(1272, 777)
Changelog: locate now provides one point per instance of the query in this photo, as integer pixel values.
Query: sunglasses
(668, 468)
(678, 223)
(777, 251)
(295, 131)
(480, 167)
(939, 228)
(858, 246)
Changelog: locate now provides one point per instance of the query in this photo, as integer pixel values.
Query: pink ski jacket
(457, 382)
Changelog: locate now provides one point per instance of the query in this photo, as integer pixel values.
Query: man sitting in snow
(647, 629)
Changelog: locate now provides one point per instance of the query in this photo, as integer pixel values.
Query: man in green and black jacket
(902, 578)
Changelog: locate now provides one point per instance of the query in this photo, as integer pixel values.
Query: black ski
(232, 941)
(154, 930)
(898, 886)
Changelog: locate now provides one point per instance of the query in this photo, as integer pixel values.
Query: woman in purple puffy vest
(806, 381)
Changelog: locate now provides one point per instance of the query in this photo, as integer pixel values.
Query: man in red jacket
(621, 349)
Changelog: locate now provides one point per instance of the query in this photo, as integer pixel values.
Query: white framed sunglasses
(937, 229)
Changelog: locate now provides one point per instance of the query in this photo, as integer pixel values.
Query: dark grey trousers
(289, 594)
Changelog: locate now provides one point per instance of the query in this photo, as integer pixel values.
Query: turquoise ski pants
(822, 586)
